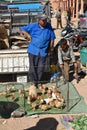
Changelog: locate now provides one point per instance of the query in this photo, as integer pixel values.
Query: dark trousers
(37, 64)
(77, 68)
(59, 22)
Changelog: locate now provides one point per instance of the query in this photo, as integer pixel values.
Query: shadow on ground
(45, 124)
(6, 108)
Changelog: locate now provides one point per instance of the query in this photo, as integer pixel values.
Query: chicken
(12, 96)
(59, 104)
(32, 93)
(44, 107)
(34, 105)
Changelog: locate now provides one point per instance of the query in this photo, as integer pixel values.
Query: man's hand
(50, 51)
(62, 66)
(29, 37)
(25, 34)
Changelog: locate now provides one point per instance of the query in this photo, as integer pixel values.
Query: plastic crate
(83, 56)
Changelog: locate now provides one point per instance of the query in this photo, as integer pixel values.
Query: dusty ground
(41, 122)
(46, 121)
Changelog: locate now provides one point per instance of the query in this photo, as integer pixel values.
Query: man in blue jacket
(41, 36)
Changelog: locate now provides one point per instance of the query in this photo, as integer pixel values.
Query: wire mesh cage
(16, 96)
(45, 103)
(70, 95)
(12, 97)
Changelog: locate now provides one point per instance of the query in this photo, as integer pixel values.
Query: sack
(18, 113)
(4, 42)
(3, 32)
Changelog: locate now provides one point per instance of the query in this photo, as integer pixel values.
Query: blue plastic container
(83, 56)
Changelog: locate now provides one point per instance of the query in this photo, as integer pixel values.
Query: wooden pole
(77, 3)
(82, 6)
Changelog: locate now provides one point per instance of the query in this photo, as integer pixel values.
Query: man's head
(63, 43)
(42, 20)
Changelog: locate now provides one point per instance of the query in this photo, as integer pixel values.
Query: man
(65, 56)
(69, 15)
(59, 20)
(41, 36)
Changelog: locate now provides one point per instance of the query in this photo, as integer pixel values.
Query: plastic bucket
(83, 56)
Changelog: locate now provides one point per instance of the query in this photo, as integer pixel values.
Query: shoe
(82, 73)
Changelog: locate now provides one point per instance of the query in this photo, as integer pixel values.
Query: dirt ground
(40, 122)
(46, 121)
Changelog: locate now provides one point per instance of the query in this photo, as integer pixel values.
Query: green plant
(79, 123)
